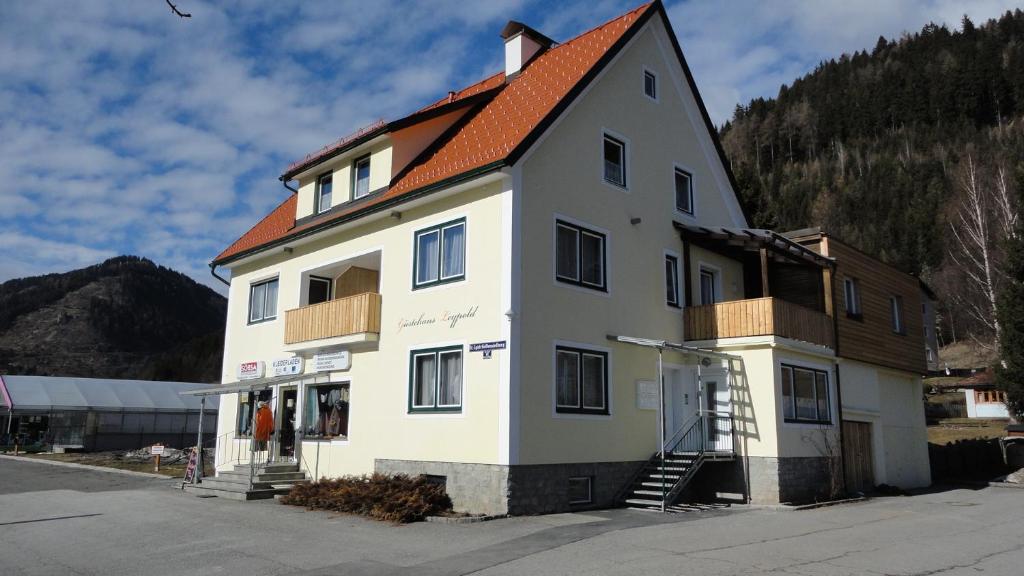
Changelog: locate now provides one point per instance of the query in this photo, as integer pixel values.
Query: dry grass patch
(954, 429)
(393, 498)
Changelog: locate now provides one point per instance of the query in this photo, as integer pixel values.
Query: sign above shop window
(287, 366)
(251, 370)
(333, 361)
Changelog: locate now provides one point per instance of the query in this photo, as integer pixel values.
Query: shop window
(326, 413)
(246, 405)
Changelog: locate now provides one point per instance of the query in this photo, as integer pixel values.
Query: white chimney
(522, 43)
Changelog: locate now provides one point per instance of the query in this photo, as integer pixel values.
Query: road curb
(88, 467)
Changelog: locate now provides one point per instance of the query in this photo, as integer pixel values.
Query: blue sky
(127, 130)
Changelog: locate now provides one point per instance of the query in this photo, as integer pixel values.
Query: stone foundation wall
(476, 488)
(519, 490)
(765, 480)
(544, 489)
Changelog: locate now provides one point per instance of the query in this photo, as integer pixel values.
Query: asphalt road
(69, 521)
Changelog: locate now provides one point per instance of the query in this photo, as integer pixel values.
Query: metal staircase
(707, 436)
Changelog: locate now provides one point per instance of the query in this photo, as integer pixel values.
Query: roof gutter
(213, 271)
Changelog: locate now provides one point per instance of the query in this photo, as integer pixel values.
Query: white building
(487, 290)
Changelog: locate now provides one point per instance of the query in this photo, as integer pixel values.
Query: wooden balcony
(757, 317)
(359, 314)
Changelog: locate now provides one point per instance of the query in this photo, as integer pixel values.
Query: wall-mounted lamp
(634, 221)
(510, 314)
(396, 214)
(288, 249)
(705, 361)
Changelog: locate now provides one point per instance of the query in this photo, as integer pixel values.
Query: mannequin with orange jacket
(264, 426)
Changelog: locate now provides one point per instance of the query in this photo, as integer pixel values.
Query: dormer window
(323, 193)
(361, 177)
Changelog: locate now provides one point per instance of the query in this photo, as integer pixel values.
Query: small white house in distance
(983, 399)
(542, 290)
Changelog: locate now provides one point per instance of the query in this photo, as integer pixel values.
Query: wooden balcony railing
(342, 317)
(757, 317)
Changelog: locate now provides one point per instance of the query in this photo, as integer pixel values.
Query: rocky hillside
(124, 318)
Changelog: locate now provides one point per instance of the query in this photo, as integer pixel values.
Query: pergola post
(765, 291)
(199, 441)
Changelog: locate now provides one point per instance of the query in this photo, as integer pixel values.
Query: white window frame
(692, 214)
(318, 207)
(716, 283)
(678, 304)
(355, 176)
(252, 287)
(625, 144)
(643, 86)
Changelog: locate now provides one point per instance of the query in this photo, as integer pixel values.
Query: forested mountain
(873, 146)
(123, 318)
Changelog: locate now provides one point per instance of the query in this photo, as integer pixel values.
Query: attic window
(361, 177)
(324, 184)
(614, 161)
(650, 85)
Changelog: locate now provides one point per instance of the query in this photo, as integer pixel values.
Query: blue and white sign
(487, 346)
(287, 366)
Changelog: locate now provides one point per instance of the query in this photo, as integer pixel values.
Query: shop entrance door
(286, 411)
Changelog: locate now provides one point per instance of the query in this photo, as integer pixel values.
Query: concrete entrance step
(231, 494)
(243, 477)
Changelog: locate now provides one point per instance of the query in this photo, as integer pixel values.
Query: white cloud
(128, 130)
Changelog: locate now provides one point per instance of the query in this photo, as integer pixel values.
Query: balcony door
(319, 289)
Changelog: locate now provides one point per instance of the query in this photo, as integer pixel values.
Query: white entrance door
(681, 400)
(716, 402)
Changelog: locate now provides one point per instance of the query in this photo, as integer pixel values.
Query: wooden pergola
(735, 242)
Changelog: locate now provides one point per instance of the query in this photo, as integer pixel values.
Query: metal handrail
(686, 425)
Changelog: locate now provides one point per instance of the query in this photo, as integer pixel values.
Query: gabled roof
(505, 119)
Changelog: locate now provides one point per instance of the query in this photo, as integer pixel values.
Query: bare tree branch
(175, 10)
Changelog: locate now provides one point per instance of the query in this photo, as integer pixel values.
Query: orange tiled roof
(498, 131)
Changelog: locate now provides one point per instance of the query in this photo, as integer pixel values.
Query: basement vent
(579, 490)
